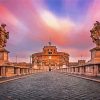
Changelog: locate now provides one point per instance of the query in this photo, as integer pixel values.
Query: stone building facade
(50, 58)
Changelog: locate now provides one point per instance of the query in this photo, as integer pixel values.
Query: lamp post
(49, 63)
(30, 60)
(30, 69)
(59, 63)
(16, 59)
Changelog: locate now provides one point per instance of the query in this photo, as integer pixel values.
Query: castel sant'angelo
(50, 58)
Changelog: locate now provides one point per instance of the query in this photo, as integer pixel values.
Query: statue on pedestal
(4, 35)
(95, 33)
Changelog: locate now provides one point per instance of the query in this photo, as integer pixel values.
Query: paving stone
(50, 86)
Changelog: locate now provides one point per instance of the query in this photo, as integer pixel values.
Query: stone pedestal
(16, 70)
(92, 67)
(9, 71)
(95, 55)
(3, 56)
(3, 71)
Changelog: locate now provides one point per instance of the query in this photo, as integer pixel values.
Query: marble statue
(4, 35)
(95, 33)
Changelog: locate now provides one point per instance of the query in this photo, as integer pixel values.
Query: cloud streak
(32, 23)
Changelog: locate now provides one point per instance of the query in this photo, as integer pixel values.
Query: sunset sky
(32, 23)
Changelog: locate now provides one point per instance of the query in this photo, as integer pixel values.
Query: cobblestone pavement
(50, 86)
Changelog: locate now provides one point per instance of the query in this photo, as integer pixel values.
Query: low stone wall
(9, 71)
(89, 70)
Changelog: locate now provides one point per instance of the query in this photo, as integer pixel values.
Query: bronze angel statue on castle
(95, 33)
(4, 35)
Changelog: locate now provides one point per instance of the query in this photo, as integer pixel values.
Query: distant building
(74, 66)
(79, 63)
(50, 58)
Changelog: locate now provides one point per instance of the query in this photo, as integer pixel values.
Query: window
(49, 52)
